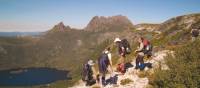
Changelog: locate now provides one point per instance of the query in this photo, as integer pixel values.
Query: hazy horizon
(42, 15)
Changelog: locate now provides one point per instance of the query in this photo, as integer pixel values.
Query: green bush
(184, 69)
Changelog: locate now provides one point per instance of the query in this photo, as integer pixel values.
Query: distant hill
(60, 27)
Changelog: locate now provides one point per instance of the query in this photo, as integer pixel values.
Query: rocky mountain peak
(60, 27)
(99, 23)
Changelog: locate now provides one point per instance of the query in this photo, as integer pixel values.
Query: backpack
(112, 80)
(128, 65)
(103, 63)
(121, 68)
(147, 45)
(126, 45)
(87, 72)
(195, 32)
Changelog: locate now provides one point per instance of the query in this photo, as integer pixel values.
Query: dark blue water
(31, 76)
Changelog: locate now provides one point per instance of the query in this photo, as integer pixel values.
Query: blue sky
(42, 15)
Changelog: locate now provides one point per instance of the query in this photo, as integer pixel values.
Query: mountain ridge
(98, 23)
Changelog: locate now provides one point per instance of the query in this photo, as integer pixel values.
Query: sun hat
(117, 40)
(91, 62)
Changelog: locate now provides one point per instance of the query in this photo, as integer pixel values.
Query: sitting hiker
(88, 73)
(141, 52)
(103, 63)
(195, 34)
(147, 47)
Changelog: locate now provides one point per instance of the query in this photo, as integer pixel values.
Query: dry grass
(126, 81)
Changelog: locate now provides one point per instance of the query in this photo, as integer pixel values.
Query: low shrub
(184, 68)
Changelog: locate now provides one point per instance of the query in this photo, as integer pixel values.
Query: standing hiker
(123, 49)
(107, 51)
(194, 33)
(88, 73)
(103, 64)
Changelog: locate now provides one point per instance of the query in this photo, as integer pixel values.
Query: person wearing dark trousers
(139, 61)
(140, 53)
(103, 64)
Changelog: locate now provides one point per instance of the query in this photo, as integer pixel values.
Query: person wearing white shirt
(107, 51)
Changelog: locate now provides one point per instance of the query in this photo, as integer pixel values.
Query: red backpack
(147, 45)
(146, 42)
(121, 68)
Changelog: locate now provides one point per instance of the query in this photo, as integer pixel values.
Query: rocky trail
(133, 75)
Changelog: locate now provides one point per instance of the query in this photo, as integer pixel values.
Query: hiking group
(105, 65)
(90, 76)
